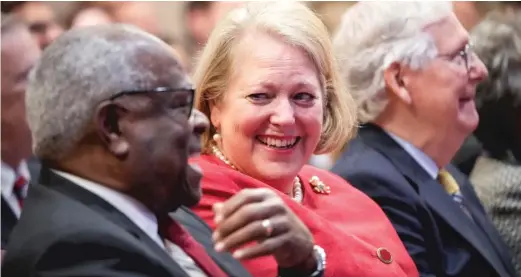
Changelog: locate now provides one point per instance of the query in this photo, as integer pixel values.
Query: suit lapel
(202, 234)
(432, 191)
(56, 182)
(482, 221)
(9, 220)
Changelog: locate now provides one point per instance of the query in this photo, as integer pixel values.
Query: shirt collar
(9, 176)
(130, 207)
(426, 162)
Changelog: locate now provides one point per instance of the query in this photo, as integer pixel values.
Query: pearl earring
(216, 137)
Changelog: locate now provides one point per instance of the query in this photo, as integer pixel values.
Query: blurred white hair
(375, 34)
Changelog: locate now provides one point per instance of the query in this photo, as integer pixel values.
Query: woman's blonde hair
(297, 26)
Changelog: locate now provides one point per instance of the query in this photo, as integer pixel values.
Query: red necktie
(19, 186)
(172, 231)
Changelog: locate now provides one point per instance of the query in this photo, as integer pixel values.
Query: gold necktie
(452, 188)
(448, 182)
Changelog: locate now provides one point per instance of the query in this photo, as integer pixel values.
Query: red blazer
(346, 223)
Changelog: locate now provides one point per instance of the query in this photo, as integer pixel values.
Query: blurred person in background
(268, 82)
(40, 18)
(200, 18)
(414, 75)
(19, 54)
(88, 14)
(111, 116)
(497, 172)
(137, 13)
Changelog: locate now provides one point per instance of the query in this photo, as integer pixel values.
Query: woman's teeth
(278, 143)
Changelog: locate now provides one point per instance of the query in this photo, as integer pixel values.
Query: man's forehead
(449, 35)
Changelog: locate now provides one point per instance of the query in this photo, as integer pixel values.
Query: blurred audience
(200, 19)
(110, 110)
(40, 18)
(19, 53)
(414, 75)
(497, 173)
(137, 13)
(89, 14)
(268, 82)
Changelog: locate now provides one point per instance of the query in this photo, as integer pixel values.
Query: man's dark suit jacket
(66, 230)
(440, 237)
(9, 219)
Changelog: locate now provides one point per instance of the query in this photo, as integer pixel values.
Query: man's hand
(261, 215)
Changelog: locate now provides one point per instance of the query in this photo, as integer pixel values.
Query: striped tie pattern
(18, 190)
(452, 188)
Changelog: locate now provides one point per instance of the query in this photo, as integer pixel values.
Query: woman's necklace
(297, 185)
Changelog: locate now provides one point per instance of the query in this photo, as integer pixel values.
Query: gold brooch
(319, 186)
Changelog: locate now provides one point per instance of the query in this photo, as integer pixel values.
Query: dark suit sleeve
(400, 211)
(87, 255)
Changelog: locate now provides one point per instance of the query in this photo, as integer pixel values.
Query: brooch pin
(319, 186)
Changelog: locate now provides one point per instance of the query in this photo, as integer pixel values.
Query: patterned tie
(172, 231)
(18, 190)
(452, 188)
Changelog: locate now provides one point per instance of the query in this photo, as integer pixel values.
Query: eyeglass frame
(157, 90)
(466, 54)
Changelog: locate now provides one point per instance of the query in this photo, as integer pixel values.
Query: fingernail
(238, 254)
(219, 246)
(217, 207)
(215, 236)
(218, 218)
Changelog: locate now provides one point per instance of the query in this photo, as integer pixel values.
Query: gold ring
(266, 223)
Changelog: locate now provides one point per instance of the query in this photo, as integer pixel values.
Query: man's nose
(199, 122)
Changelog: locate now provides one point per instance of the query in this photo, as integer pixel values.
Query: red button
(384, 255)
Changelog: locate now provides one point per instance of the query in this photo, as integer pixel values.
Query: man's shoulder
(362, 159)
(50, 217)
(372, 172)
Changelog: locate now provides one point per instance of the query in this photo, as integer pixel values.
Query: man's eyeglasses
(186, 102)
(463, 58)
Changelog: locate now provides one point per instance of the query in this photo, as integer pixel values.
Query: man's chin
(192, 186)
(192, 199)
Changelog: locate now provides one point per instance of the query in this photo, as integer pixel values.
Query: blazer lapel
(432, 191)
(54, 181)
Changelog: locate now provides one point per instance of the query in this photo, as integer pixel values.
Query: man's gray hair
(375, 34)
(497, 41)
(78, 71)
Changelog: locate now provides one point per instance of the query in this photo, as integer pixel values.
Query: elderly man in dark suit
(19, 54)
(110, 111)
(411, 69)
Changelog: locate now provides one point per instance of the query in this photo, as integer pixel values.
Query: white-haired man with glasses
(410, 67)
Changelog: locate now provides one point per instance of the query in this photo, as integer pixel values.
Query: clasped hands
(260, 215)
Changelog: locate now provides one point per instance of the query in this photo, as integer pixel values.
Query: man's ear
(107, 121)
(395, 83)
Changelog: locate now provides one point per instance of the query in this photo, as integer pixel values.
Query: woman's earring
(216, 137)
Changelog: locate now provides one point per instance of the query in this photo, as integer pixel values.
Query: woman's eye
(304, 96)
(258, 96)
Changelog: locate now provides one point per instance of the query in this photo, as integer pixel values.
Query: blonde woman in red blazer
(268, 83)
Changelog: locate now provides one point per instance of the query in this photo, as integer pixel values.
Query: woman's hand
(261, 215)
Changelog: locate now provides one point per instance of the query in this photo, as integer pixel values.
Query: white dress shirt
(9, 176)
(139, 215)
(426, 162)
